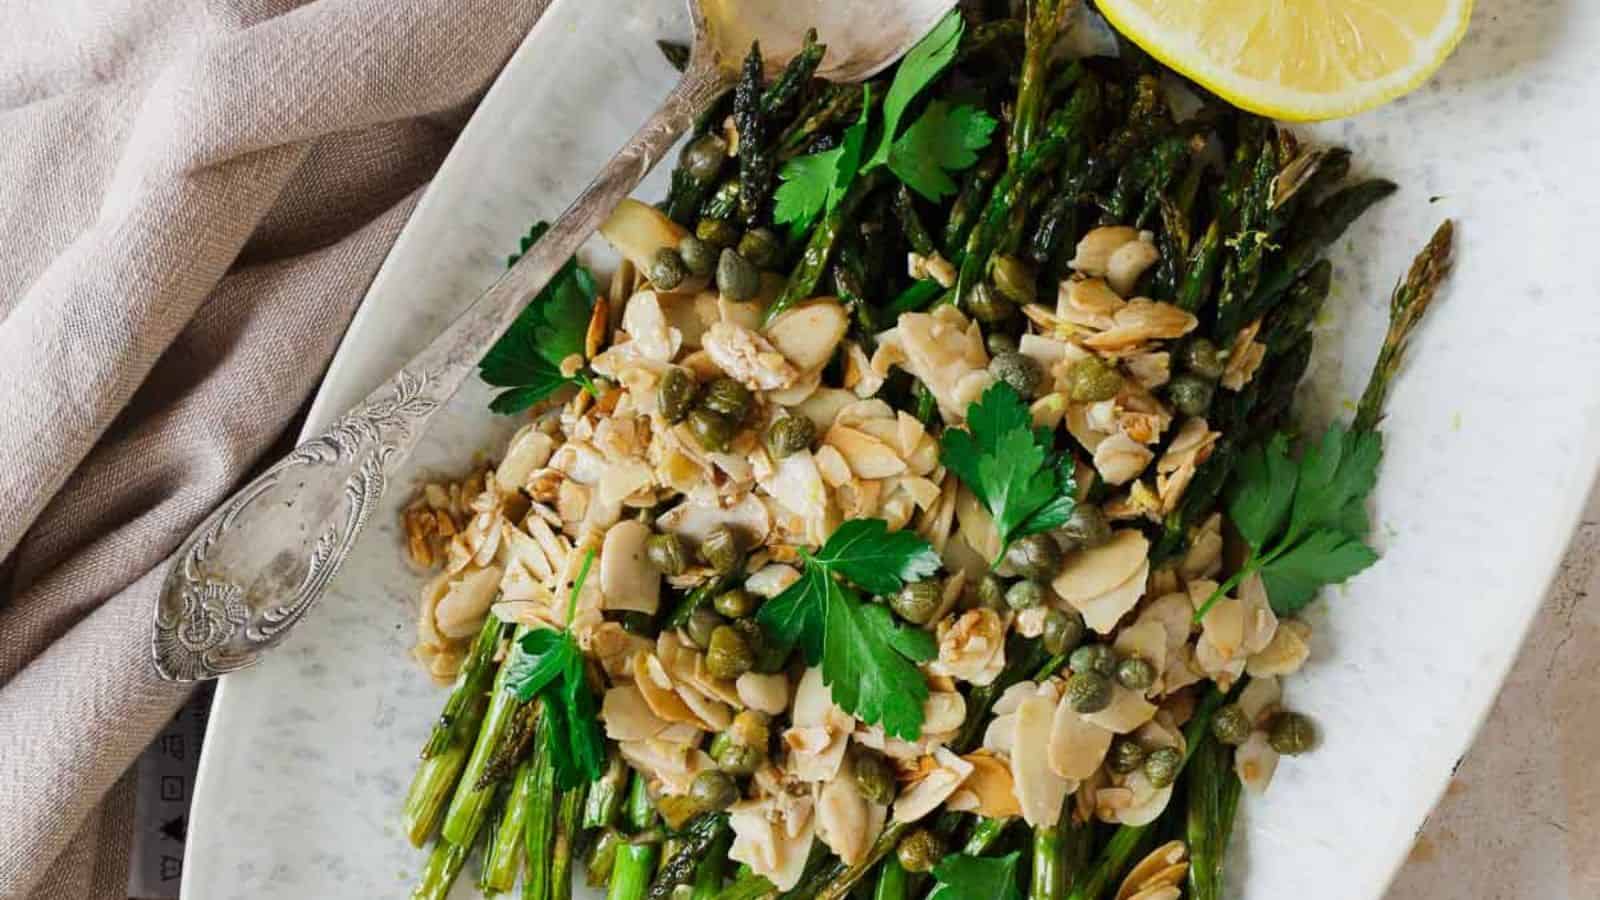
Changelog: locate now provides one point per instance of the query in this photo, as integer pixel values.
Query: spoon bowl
(863, 36)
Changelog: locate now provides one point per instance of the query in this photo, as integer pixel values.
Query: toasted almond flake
(1256, 762)
(627, 717)
(638, 231)
(1126, 713)
(1130, 261)
(1140, 321)
(807, 334)
(627, 579)
(1119, 458)
(656, 688)
(1156, 869)
(1040, 790)
(529, 449)
(1151, 370)
(1260, 698)
(1087, 574)
(925, 795)
(1077, 746)
(1285, 654)
(1147, 641)
(1244, 358)
(990, 785)
(764, 693)
(1160, 892)
(646, 324)
(943, 711)
(867, 456)
(710, 713)
(1094, 250)
(971, 647)
(697, 517)
(748, 357)
(460, 611)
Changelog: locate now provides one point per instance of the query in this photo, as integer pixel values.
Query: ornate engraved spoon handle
(253, 568)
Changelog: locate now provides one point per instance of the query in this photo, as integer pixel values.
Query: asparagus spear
(569, 828)
(1410, 301)
(439, 874)
(539, 823)
(803, 280)
(835, 104)
(795, 76)
(692, 847)
(437, 777)
(893, 881)
(455, 724)
(604, 802)
(757, 162)
(1043, 26)
(985, 835)
(636, 862)
(504, 857)
(1049, 878)
(712, 869)
(471, 801)
(1212, 799)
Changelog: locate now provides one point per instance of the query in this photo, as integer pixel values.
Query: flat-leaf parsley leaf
(962, 877)
(943, 139)
(527, 358)
(868, 658)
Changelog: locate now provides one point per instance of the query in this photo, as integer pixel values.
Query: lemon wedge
(1301, 60)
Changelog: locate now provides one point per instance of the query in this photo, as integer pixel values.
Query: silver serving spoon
(256, 565)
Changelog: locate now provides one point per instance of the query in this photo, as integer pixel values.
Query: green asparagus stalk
(1289, 320)
(604, 802)
(836, 104)
(504, 857)
(757, 160)
(513, 746)
(1048, 880)
(893, 881)
(563, 845)
(443, 867)
(1315, 230)
(1212, 800)
(795, 75)
(803, 280)
(911, 226)
(1043, 27)
(748, 886)
(539, 826)
(471, 801)
(455, 724)
(636, 862)
(985, 834)
(969, 202)
(711, 870)
(437, 777)
(1410, 301)
(693, 844)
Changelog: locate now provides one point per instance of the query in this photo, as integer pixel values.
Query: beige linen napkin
(194, 195)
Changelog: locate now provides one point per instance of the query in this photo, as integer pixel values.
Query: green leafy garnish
(962, 877)
(944, 139)
(1010, 466)
(548, 664)
(527, 358)
(1304, 521)
(868, 658)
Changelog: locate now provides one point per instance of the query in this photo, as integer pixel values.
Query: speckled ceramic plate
(1491, 448)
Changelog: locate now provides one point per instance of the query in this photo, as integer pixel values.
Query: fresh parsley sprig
(527, 358)
(943, 139)
(1304, 521)
(962, 877)
(868, 658)
(548, 664)
(1010, 466)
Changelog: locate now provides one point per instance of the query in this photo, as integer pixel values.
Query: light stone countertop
(1521, 818)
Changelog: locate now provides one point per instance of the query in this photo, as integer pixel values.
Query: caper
(735, 603)
(1085, 529)
(1096, 658)
(711, 431)
(667, 269)
(722, 550)
(1232, 725)
(917, 601)
(727, 656)
(636, 622)
(920, 851)
(698, 256)
(1162, 766)
(1022, 373)
(753, 635)
(985, 304)
(668, 553)
(713, 791)
(727, 397)
(739, 759)
(1291, 733)
(1126, 756)
(703, 157)
(789, 434)
(1035, 556)
(676, 811)
(675, 394)
(1025, 594)
(992, 592)
(718, 234)
(1088, 692)
(702, 622)
(1191, 394)
(1063, 631)
(1014, 279)
(761, 247)
(997, 342)
(874, 776)
(737, 278)
(750, 727)
(1200, 356)
(1092, 379)
(1136, 674)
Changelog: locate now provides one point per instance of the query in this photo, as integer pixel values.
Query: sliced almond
(656, 688)
(1077, 746)
(1094, 250)
(1126, 713)
(991, 785)
(868, 457)
(639, 231)
(1144, 640)
(461, 610)
(1154, 869)
(1260, 698)
(627, 579)
(1040, 790)
(764, 693)
(1089, 573)
(628, 717)
(808, 334)
(1285, 654)
(1256, 762)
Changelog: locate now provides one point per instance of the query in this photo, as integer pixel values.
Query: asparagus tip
(1409, 303)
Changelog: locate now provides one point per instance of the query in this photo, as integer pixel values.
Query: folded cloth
(194, 195)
